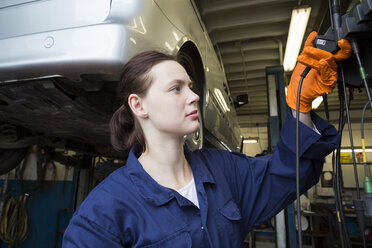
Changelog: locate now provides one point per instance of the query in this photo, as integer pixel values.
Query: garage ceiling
(249, 35)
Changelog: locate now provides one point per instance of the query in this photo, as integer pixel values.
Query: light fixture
(357, 150)
(250, 141)
(317, 101)
(296, 32)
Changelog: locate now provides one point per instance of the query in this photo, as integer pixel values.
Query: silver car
(60, 61)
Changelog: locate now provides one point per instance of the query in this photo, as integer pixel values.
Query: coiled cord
(13, 224)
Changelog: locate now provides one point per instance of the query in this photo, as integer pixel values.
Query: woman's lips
(193, 114)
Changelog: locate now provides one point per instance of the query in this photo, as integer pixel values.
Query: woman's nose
(193, 97)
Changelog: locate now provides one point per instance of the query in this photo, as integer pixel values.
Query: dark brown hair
(135, 79)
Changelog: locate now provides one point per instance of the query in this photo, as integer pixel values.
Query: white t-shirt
(315, 129)
(189, 192)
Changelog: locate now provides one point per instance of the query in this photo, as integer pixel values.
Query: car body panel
(41, 64)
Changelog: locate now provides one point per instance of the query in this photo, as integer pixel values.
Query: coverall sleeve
(83, 232)
(265, 185)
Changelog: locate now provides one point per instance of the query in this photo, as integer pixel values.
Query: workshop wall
(260, 133)
(347, 169)
(49, 207)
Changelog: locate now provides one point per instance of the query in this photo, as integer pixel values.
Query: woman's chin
(195, 128)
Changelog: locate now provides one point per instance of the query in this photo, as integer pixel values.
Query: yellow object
(364, 151)
(345, 158)
(338, 216)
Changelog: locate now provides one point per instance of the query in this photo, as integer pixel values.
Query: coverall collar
(154, 192)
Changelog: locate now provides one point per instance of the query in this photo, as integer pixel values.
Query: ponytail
(121, 128)
(125, 130)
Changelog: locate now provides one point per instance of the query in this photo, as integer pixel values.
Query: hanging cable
(338, 198)
(335, 159)
(358, 203)
(344, 234)
(350, 133)
(337, 205)
(303, 75)
(49, 185)
(367, 180)
(13, 224)
(362, 72)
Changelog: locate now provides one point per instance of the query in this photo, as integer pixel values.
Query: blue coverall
(235, 192)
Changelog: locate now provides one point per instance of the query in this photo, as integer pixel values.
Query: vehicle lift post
(277, 109)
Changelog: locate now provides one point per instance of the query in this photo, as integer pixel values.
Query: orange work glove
(322, 77)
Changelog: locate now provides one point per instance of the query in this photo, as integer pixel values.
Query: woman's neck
(167, 164)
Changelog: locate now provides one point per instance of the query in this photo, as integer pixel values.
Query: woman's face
(170, 103)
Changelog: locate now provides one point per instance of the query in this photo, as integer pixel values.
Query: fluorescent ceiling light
(295, 36)
(317, 101)
(356, 150)
(250, 141)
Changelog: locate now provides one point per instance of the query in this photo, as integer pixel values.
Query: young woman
(168, 196)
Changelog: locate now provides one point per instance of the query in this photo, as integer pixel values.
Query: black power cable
(303, 75)
(337, 31)
(336, 171)
(336, 20)
(340, 228)
(343, 231)
(350, 132)
(339, 207)
(335, 14)
(358, 203)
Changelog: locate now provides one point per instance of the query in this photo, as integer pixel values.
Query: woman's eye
(176, 88)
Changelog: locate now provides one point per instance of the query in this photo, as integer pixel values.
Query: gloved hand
(321, 79)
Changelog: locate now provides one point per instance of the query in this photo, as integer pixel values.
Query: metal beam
(247, 32)
(251, 45)
(250, 66)
(248, 90)
(227, 19)
(264, 54)
(249, 75)
(215, 6)
(250, 82)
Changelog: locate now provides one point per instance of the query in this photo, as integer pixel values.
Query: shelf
(311, 213)
(368, 163)
(267, 230)
(315, 234)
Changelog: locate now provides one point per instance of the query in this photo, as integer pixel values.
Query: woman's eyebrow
(181, 82)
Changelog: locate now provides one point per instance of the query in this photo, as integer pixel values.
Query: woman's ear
(136, 105)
